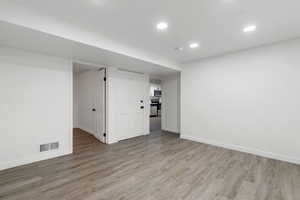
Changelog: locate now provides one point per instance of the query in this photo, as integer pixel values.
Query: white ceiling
(23, 38)
(216, 24)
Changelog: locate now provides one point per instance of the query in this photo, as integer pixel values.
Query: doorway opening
(155, 105)
(89, 106)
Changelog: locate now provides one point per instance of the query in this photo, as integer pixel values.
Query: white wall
(114, 80)
(86, 87)
(249, 101)
(170, 109)
(35, 106)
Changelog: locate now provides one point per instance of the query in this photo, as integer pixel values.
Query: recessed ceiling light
(249, 28)
(162, 26)
(194, 45)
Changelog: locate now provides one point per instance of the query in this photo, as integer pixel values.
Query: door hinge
(104, 78)
(104, 134)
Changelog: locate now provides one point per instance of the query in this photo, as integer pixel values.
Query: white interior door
(100, 105)
(132, 88)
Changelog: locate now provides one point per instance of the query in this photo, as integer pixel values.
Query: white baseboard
(32, 159)
(243, 149)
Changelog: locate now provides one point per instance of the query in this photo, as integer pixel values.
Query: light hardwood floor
(156, 167)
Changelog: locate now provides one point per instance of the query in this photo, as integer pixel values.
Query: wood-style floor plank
(156, 167)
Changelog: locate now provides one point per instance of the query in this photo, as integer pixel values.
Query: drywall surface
(19, 15)
(248, 101)
(117, 84)
(170, 110)
(86, 88)
(35, 106)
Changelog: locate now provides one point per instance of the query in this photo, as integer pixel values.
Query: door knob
(142, 107)
(93, 109)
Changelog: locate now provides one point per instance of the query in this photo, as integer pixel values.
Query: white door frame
(105, 105)
(99, 67)
(110, 102)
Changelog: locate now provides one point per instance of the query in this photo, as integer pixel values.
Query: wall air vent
(49, 146)
(44, 147)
